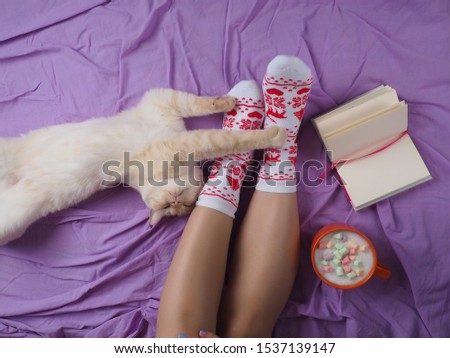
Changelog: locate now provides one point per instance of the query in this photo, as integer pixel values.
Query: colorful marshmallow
(364, 248)
(347, 268)
(346, 260)
(336, 262)
(351, 275)
(338, 236)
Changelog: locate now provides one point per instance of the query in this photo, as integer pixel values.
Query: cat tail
(212, 143)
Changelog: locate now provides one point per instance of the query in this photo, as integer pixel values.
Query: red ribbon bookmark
(342, 161)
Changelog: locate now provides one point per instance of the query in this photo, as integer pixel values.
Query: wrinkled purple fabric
(97, 269)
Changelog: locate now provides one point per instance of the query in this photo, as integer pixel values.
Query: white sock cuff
(277, 186)
(217, 203)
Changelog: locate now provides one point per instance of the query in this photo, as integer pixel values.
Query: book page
(365, 119)
(360, 139)
(373, 101)
(384, 174)
(352, 102)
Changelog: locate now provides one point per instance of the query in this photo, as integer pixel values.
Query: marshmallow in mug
(344, 258)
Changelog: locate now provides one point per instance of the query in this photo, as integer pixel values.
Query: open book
(366, 139)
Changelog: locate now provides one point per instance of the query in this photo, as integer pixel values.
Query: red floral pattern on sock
(285, 101)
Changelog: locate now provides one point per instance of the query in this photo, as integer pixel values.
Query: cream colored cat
(56, 167)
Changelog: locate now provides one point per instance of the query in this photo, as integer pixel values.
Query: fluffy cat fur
(53, 168)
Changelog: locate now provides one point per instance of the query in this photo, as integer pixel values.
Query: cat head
(176, 198)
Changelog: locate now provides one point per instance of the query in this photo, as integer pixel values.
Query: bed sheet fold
(21, 17)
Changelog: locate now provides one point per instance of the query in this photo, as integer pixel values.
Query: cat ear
(155, 216)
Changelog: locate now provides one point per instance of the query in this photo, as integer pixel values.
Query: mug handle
(382, 271)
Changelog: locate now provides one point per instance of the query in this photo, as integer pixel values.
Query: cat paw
(277, 136)
(223, 103)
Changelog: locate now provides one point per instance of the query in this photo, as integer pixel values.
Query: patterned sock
(221, 191)
(286, 88)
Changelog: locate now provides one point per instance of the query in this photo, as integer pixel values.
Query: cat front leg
(178, 104)
(208, 144)
(190, 105)
(209, 105)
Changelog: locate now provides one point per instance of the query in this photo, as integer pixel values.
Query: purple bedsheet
(97, 269)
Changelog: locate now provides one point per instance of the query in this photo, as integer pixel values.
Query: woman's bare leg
(192, 292)
(263, 268)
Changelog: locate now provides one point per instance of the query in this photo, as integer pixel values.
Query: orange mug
(344, 257)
